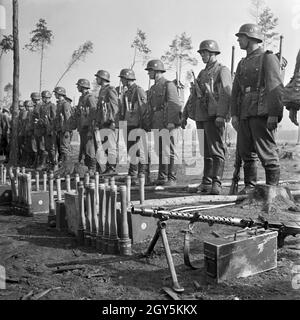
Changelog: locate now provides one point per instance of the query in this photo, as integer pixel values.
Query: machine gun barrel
(284, 228)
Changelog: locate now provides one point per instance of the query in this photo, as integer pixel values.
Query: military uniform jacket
(36, 118)
(86, 111)
(22, 122)
(47, 114)
(63, 113)
(107, 107)
(215, 84)
(164, 103)
(29, 123)
(134, 103)
(257, 87)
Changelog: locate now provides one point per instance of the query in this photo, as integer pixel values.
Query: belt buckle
(247, 89)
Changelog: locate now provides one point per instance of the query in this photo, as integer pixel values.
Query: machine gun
(192, 214)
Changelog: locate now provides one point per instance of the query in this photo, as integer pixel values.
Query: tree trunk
(298, 140)
(134, 57)
(41, 67)
(13, 156)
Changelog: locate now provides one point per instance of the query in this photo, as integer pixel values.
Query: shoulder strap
(260, 72)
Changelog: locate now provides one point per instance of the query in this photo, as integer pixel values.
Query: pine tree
(40, 40)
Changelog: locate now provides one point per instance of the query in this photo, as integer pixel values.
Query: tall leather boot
(43, 160)
(218, 169)
(144, 169)
(250, 177)
(205, 186)
(272, 176)
(162, 175)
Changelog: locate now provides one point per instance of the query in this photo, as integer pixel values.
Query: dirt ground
(30, 251)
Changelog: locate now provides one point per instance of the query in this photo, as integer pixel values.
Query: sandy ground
(30, 250)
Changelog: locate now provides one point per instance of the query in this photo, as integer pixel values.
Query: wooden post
(29, 189)
(77, 180)
(13, 156)
(58, 188)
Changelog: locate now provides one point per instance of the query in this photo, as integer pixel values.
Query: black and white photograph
(149, 152)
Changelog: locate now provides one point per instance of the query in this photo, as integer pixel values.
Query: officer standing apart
(257, 107)
(63, 113)
(133, 109)
(165, 106)
(210, 105)
(106, 118)
(47, 125)
(85, 113)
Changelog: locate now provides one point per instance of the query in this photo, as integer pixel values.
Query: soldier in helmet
(63, 113)
(29, 143)
(85, 113)
(257, 107)
(21, 130)
(165, 106)
(5, 128)
(133, 109)
(47, 128)
(106, 118)
(38, 136)
(211, 108)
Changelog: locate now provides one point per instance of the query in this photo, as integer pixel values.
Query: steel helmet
(27, 103)
(35, 96)
(252, 31)
(83, 83)
(127, 74)
(103, 75)
(156, 65)
(209, 45)
(46, 94)
(60, 90)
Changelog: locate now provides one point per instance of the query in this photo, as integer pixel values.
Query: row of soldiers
(253, 101)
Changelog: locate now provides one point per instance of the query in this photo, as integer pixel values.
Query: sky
(112, 26)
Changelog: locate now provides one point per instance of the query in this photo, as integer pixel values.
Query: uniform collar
(211, 65)
(255, 52)
(160, 80)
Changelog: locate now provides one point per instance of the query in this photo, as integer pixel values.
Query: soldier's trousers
(213, 144)
(107, 149)
(136, 149)
(87, 148)
(50, 141)
(21, 145)
(65, 144)
(254, 139)
(30, 150)
(167, 155)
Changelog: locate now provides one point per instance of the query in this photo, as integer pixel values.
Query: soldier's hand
(235, 122)
(293, 116)
(171, 126)
(272, 122)
(220, 122)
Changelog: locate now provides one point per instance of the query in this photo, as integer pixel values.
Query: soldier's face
(205, 55)
(151, 74)
(99, 81)
(46, 100)
(123, 81)
(243, 41)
